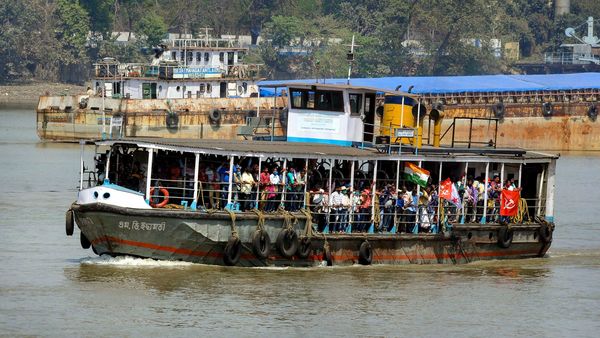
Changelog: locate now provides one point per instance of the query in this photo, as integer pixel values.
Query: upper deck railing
(174, 71)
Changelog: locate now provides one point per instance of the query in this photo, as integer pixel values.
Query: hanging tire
(365, 253)
(261, 244)
(172, 121)
(287, 242)
(69, 222)
(304, 248)
(505, 237)
(327, 255)
(84, 241)
(547, 109)
(232, 252)
(498, 110)
(545, 233)
(593, 112)
(214, 116)
(95, 251)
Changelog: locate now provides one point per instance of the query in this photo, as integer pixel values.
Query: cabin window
(190, 56)
(319, 100)
(208, 88)
(356, 104)
(222, 57)
(173, 55)
(202, 88)
(182, 55)
(198, 57)
(206, 57)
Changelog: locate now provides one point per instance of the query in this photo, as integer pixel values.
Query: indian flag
(415, 174)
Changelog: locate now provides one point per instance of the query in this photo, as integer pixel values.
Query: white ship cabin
(332, 114)
(185, 68)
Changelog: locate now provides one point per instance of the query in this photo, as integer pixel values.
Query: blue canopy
(462, 84)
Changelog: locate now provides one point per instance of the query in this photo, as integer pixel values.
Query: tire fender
(287, 242)
(505, 237)
(365, 253)
(304, 248)
(233, 251)
(69, 222)
(261, 244)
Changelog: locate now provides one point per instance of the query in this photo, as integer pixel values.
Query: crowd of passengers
(409, 209)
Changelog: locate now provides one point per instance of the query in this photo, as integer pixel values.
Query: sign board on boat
(404, 132)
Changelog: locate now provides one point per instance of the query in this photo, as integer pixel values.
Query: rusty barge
(540, 112)
(336, 201)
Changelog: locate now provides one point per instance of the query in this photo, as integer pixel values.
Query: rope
(522, 213)
(376, 214)
(260, 225)
(234, 232)
(308, 230)
(287, 218)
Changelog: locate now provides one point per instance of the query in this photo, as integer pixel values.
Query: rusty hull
(62, 118)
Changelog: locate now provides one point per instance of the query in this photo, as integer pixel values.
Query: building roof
(465, 84)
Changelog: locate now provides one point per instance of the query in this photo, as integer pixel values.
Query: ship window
(202, 88)
(208, 88)
(319, 100)
(173, 55)
(178, 88)
(190, 56)
(198, 57)
(182, 55)
(222, 57)
(206, 57)
(355, 104)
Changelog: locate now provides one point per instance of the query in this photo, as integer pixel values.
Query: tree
(152, 27)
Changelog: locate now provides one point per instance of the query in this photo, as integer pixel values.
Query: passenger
(355, 208)
(411, 201)
(202, 186)
(400, 225)
(386, 203)
(432, 207)
(300, 187)
(470, 201)
(364, 210)
(336, 200)
(480, 197)
(214, 187)
(223, 171)
(345, 210)
(290, 189)
(423, 217)
(318, 209)
(275, 181)
(247, 184)
(266, 188)
(90, 91)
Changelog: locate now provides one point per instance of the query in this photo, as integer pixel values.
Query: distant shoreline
(27, 94)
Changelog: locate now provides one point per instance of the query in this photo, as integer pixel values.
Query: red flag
(509, 202)
(446, 189)
(449, 192)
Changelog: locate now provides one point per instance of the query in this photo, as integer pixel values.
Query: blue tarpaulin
(464, 84)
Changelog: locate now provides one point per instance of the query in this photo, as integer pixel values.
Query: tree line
(58, 40)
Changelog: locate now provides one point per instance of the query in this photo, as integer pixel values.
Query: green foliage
(47, 38)
(72, 29)
(152, 27)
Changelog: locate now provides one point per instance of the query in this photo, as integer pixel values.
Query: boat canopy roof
(326, 151)
(333, 86)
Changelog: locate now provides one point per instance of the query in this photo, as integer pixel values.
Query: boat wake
(127, 261)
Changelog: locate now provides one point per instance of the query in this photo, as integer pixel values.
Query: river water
(49, 286)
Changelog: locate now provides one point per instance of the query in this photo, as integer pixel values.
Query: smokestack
(562, 7)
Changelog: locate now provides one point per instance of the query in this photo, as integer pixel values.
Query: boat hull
(202, 237)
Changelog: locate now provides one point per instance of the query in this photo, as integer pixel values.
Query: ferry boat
(193, 88)
(195, 200)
